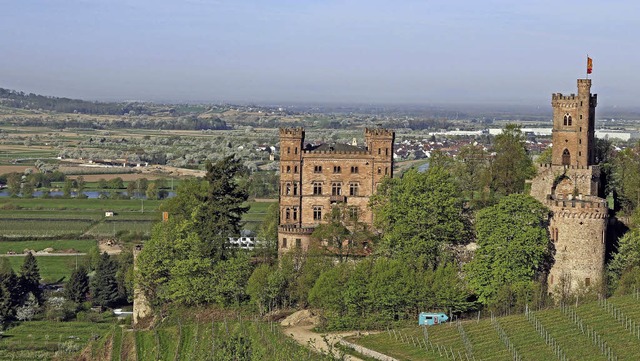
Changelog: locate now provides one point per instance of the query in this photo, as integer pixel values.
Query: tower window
(295, 169)
(566, 157)
(298, 242)
(287, 214)
(336, 189)
(567, 119)
(580, 116)
(317, 188)
(579, 141)
(288, 169)
(287, 189)
(379, 151)
(295, 151)
(317, 169)
(288, 150)
(587, 281)
(386, 151)
(295, 188)
(353, 189)
(579, 154)
(386, 170)
(354, 169)
(337, 169)
(317, 213)
(295, 213)
(284, 243)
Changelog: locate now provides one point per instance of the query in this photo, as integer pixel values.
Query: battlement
(588, 203)
(362, 152)
(378, 132)
(297, 132)
(549, 165)
(295, 229)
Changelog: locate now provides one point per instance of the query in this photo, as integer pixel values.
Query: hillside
(602, 330)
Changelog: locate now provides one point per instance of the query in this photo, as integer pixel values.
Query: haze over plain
(425, 52)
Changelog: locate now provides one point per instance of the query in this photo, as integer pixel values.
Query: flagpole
(587, 65)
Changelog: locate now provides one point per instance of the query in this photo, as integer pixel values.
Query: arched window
(567, 119)
(566, 157)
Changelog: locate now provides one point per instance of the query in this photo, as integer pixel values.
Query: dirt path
(306, 337)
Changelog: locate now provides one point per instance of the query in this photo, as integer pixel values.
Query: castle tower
(291, 143)
(379, 142)
(569, 187)
(141, 307)
(573, 126)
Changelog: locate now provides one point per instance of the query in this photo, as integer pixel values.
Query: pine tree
(9, 293)
(78, 285)
(104, 287)
(30, 277)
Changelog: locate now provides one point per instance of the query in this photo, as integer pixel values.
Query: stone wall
(141, 307)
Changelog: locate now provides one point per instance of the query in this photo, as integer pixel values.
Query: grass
(80, 245)
(57, 204)
(35, 340)
(486, 345)
(110, 228)
(52, 268)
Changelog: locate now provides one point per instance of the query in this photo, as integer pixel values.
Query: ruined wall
(560, 181)
(141, 306)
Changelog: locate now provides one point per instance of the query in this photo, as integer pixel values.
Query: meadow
(53, 269)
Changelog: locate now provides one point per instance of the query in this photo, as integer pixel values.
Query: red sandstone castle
(315, 178)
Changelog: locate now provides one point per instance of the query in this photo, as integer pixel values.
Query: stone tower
(569, 187)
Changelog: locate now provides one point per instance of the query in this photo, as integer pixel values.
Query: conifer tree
(30, 277)
(9, 293)
(78, 286)
(104, 287)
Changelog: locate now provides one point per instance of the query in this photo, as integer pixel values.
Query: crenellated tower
(379, 143)
(291, 148)
(569, 186)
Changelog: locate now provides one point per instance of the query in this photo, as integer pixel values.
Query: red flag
(589, 65)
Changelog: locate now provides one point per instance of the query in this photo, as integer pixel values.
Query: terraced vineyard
(201, 340)
(602, 330)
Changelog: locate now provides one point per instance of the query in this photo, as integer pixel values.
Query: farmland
(42, 340)
(591, 331)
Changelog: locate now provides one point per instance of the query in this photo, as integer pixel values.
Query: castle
(569, 187)
(315, 178)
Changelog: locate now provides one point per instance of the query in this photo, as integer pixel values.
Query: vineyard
(601, 330)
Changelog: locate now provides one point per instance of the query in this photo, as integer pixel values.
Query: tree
(131, 189)
(626, 176)
(27, 189)
(513, 245)
(80, 186)
(116, 183)
(104, 286)
(219, 215)
(268, 234)
(67, 188)
(624, 268)
(10, 293)
(472, 174)
(13, 184)
(342, 234)
(30, 277)
(545, 156)
(102, 183)
(189, 195)
(419, 214)
(77, 288)
(152, 191)
(511, 165)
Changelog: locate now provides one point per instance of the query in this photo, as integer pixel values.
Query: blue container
(430, 319)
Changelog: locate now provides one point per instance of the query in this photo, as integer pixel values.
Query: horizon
(353, 52)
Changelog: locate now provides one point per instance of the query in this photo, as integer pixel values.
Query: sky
(293, 51)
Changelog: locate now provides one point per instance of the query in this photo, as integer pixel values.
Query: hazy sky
(321, 51)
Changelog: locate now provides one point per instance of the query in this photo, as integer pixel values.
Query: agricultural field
(592, 331)
(44, 340)
(53, 269)
(203, 340)
(59, 246)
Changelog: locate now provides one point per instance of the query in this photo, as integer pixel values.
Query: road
(306, 337)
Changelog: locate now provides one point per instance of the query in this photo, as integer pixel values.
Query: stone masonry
(569, 187)
(315, 178)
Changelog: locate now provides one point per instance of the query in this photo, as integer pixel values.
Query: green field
(41, 340)
(484, 342)
(57, 204)
(42, 228)
(52, 268)
(80, 245)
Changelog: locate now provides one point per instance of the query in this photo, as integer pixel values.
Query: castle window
(354, 169)
(295, 213)
(386, 170)
(336, 189)
(567, 119)
(587, 281)
(295, 169)
(353, 189)
(353, 213)
(579, 141)
(317, 213)
(379, 170)
(284, 243)
(298, 242)
(295, 151)
(295, 188)
(288, 150)
(566, 157)
(580, 116)
(287, 189)
(287, 213)
(579, 154)
(317, 169)
(317, 188)
(379, 151)
(288, 169)
(386, 151)
(337, 169)
(580, 128)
